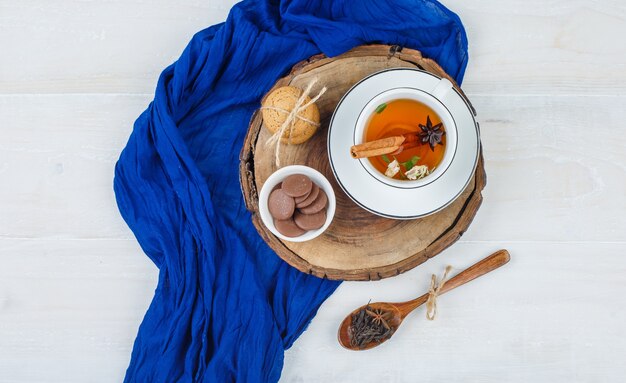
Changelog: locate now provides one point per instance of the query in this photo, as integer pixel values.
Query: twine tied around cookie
(292, 117)
(435, 289)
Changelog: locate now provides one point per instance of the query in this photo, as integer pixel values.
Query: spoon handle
(478, 269)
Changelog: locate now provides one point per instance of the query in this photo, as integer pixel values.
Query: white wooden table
(548, 80)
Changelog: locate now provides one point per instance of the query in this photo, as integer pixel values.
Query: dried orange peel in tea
(417, 172)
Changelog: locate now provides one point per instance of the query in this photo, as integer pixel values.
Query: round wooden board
(358, 245)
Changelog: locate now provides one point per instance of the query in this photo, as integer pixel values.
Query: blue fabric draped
(226, 307)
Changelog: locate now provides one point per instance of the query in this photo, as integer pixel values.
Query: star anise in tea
(432, 135)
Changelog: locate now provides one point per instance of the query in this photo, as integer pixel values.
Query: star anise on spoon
(431, 134)
(378, 317)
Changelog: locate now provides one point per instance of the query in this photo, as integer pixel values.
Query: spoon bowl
(394, 320)
(396, 312)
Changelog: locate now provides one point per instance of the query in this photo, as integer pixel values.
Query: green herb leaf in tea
(380, 108)
(410, 163)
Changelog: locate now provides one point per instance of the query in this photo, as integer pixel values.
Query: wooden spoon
(398, 311)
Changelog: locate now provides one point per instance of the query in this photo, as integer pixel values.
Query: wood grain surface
(358, 245)
(548, 79)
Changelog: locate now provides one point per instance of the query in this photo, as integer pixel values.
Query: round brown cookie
(281, 206)
(310, 221)
(317, 205)
(288, 227)
(278, 186)
(276, 108)
(300, 199)
(304, 202)
(297, 185)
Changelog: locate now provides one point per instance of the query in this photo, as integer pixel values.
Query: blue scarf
(226, 307)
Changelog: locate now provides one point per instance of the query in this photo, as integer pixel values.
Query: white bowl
(278, 177)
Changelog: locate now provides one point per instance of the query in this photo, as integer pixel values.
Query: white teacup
(434, 100)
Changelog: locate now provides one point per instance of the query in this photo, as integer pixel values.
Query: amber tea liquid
(399, 117)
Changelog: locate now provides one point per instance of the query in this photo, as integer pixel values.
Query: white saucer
(384, 199)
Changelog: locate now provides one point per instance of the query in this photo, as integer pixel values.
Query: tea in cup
(406, 137)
